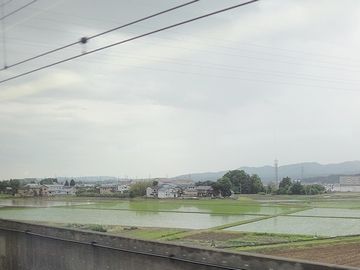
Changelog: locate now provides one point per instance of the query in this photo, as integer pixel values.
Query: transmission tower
(276, 165)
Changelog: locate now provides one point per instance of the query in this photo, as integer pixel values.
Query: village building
(8, 190)
(167, 191)
(123, 188)
(55, 190)
(33, 190)
(151, 192)
(107, 189)
(350, 183)
(205, 191)
(190, 192)
(163, 191)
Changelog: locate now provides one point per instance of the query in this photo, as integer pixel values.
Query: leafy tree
(284, 186)
(66, 183)
(239, 181)
(297, 188)
(285, 182)
(314, 189)
(155, 183)
(72, 183)
(48, 181)
(288, 187)
(204, 183)
(256, 184)
(270, 188)
(3, 185)
(222, 187)
(216, 188)
(243, 183)
(139, 189)
(15, 185)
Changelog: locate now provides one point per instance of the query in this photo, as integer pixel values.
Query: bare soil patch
(341, 254)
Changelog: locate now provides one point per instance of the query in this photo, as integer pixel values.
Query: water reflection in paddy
(124, 217)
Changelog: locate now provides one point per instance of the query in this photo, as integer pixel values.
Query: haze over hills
(306, 170)
(98, 178)
(309, 172)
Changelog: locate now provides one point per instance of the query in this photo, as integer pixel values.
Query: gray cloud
(275, 79)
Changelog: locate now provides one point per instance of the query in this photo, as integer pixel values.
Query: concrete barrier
(25, 246)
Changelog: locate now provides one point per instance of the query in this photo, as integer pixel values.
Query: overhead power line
(17, 10)
(253, 80)
(212, 40)
(85, 39)
(129, 39)
(212, 65)
(54, 3)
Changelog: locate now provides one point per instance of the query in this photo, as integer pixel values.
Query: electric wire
(243, 69)
(242, 79)
(312, 61)
(258, 57)
(17, 10)
(35, 14)
(85, 39)
(326, 66)
(63, 14)
(216, 66)
(338, 65)
(129, 40)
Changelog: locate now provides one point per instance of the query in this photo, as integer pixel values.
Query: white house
(60, 190)
(167, 191)
(123, 188)
(151, 192)
(190, 192)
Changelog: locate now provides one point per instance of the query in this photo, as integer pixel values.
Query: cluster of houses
(107, 189)
(168, 190)
(39, 190)
(162, 189)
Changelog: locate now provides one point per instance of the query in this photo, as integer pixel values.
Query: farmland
(290, 226)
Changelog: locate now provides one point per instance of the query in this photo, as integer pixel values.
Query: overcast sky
(274, 79)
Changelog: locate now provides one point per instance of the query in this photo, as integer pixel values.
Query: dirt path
(341, 254)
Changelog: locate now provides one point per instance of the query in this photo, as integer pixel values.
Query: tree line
(236, 181)
(239, 182)
(287, 186)
(9, 186)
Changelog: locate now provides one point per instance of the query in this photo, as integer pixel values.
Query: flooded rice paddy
(316, 226)
(329, 212)
(124, 217)
(278, 216)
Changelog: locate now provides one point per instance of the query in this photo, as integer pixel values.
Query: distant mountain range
(308, 171)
